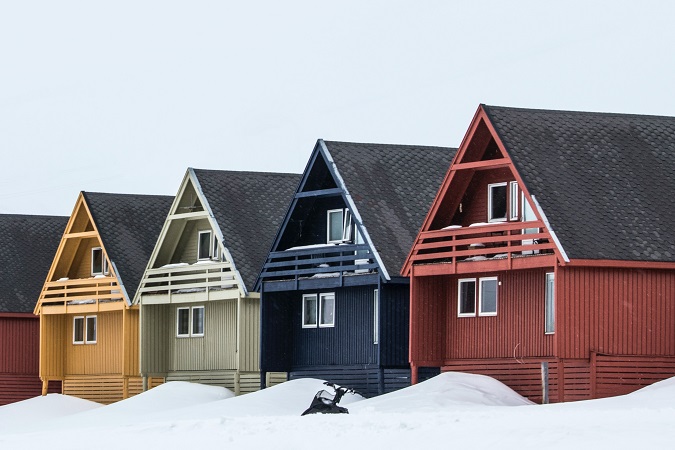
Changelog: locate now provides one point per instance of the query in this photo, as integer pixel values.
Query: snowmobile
(326, 403)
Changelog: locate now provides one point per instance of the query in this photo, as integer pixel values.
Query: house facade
(200, 317)
(88, 326)
(547, 259)
(332, 303)
(27, 246)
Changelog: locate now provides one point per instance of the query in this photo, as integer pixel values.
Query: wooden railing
(200, 276)
(489, 241)
(81, 291)
(315, 261)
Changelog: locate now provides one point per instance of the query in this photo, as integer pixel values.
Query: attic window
(99, 265)
(497, 202)
(204, 245)
(339, 224)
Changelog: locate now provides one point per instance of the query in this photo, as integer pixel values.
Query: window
(327, 310)
(467, 297)
(497, 202)
(376, 317)
(488, 297)
(215, 254)
(309, 311)
(190, 321)
(335, 225)
(347, 226)
(78, 330)
(91, 330)
(513, 201)
(549, 309)
(204, 245)
(99, 265)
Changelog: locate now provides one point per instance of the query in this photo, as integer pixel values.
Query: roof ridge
(243, 172)
(390, 145)
(36, 216)
(566, 111)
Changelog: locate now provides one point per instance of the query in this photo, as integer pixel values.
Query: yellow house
(89, 329)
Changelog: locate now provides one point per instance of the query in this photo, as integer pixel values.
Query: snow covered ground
(452, 410)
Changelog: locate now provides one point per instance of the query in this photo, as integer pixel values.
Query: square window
(183, 322)
(497, 202)
(488, 297)
(327, 310)
(335, 225)
(99, 265)
(467, 297)
(197, 321)
(91, 330)
(78, 330)
(549, 309)
(309, 311)
(204, 245)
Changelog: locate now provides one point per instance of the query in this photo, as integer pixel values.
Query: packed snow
(451, 410)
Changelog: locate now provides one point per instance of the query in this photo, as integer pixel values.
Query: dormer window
(497, 202)
(99, 265)
(339, 226)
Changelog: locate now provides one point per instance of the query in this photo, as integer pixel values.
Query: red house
(547, 259)
(27, 246)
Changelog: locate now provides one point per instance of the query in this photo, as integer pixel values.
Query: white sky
(124, 96)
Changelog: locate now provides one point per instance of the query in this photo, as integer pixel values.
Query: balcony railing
(316, 261)
(86, 291)
(184, 278)
(494, 241)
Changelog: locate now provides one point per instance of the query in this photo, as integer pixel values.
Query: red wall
(19, 345)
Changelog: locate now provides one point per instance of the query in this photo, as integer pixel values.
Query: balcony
(483, 247)
(182, 282)
(81, 295)
(318, 266)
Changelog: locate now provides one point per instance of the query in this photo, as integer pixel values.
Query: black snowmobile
(326, 403)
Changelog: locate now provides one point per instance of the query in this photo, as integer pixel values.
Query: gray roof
(393, 187)
(249, 208)
(606, 182)
(27, 248)
(129, 226)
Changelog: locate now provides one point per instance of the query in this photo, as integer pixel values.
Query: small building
(333, 303)
(27, 246)
(200, 316)
(88, 325)
(547, 259)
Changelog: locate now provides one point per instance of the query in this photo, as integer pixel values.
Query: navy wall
(394, 317)
(275, 336)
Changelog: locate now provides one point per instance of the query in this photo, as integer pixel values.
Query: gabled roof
(606, 182)
(248, 207)
(129, 226)
(392, 187)
(27, 246)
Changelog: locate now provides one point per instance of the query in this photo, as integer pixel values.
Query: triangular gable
(73, 259)
(190, 207)
(481, 149)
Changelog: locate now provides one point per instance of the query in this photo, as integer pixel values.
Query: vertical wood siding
(20, 338)
(475, 199)
(615, 311)
(104, 357)
(428, 319)
(276, 334)
(131, 343)
(157, 335)
(53, 342)
(394, 319)
(186, 251)
(249, 335)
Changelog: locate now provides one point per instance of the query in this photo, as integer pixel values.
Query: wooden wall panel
(104, 357)
(249, 335)
(20, 338)
(615, 311)
(18, 387)
(428, 319)
(619, 375)
(131, 343)
(186, 251)
(53, 342)
(158, 334)
(474, 201)
(394, 325)
(82, 268)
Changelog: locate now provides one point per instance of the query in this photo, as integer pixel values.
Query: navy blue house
(333, 303)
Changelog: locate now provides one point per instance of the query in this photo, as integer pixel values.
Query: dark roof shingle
(27, 248)
(605, 181)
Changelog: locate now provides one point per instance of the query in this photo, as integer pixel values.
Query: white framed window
(215, 253)
(347, 226)
(376, 316)
(466, 297)
(91, 330)
(514, 211)
(327, 310)
(78, 330)
(549, 306)
(336, 222)
(183, 322)
(309, 311)
(204, 245)
(197, 321)
(497, 202)
(99, 265)
(487, 305)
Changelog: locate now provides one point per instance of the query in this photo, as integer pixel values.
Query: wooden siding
(20, 338)
(17, 387)
(53, 343)
(475, 199)
(238, 382)
(131, 347)
(249, 335)
(103, 389)
(428, 320)
(276, 340)
(104, 357)
(186, 251)
(615, 311)
(394, 321)
(156, 333)
(620, 374)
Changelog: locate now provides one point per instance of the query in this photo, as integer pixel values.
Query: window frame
(316, 310)
(459, 297)
(376, 316)
(506, 205)
(192, 321)
(104, 262)
(86, 329)
(480, 296)
(328, 225)
(320, 310)
(347, 226)
(514, 210)
(215, 248)
(81, 342)
(189, 321)
(199, 245)
(549, 307)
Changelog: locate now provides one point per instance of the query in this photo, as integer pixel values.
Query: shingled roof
(27, 247)
(393, 187)
(606, 182)
(129, 226)
(248, 207)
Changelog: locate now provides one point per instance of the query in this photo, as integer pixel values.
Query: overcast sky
(123, 97)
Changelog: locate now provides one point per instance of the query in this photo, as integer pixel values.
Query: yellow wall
(103, 357)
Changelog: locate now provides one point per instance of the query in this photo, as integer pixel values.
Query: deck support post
(145, 383)
(544, 382)
(45, 386)
(125, 387)
(413, 373)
